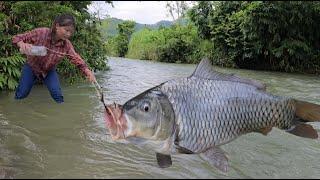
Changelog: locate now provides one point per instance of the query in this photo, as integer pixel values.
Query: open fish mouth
(115, 121)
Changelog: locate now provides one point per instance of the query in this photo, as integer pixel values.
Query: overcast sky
(144, 12)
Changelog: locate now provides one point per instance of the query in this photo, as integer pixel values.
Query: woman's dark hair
(65, 20)
(62, 20)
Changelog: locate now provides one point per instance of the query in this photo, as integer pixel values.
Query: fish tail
(305, 112)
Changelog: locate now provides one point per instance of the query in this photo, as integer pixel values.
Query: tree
(199, 15)
(266, 35)
(122, 40)
(98, 10)
(177, 9)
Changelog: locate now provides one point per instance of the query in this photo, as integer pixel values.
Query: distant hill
(109, 26)
(153, 26)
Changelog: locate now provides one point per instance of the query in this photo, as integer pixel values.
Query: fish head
(149, 116)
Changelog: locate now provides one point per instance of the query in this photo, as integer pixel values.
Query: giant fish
(199, 113)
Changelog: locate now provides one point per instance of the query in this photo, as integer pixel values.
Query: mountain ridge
(109, 25)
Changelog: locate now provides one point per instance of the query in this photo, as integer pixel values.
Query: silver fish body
(199, 113)
(213, 112)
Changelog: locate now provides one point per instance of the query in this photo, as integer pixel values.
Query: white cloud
(144, 12)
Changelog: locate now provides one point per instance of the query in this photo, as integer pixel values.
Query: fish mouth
(115, 121)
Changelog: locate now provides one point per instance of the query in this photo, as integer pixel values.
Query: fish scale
(230, 113)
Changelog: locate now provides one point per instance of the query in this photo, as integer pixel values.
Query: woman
(44, 67)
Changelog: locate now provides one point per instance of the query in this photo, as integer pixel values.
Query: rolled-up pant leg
(53, 85)
(26, 82)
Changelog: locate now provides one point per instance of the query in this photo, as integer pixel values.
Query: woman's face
(64, 32)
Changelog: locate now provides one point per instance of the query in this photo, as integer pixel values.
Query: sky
(144, 12)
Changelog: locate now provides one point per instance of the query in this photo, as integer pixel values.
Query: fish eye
(145, 107)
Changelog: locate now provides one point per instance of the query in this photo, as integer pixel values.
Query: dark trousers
(28, 79)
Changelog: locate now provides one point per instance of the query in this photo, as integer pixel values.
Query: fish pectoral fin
(304, 130)
(216, 157)
(265, 130)
(164, 160)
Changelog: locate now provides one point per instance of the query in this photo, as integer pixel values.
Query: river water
(42, 139)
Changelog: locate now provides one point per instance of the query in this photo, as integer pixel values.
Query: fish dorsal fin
(205, 70)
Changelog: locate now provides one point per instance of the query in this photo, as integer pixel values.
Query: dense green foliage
(270, 35)
(19, 17)
(178, 44)
(143, 44)
(174, 44)
(118, 45)
(262, 35)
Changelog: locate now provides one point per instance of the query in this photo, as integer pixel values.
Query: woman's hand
(90, 76)
(25, 48)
